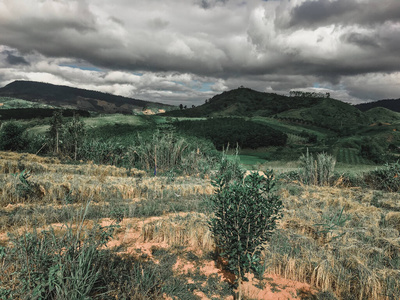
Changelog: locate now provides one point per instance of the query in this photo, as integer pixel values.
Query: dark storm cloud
(14, 59)
(361, 40)
(206, 4)
(344, 12)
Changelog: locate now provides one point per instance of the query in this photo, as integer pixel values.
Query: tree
(245, 215)
(11, 136)
(75, 132)
(181, 106)
(55, 130)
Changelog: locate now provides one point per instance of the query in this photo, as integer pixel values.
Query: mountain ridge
(392, 104)
(66, 96)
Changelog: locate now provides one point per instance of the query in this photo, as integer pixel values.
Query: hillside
(382, 115)
(245, 102)
(328, 113)
(321, 112)
(392, 104)
(70, 97)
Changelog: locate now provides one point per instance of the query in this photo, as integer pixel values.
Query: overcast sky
(186, 51)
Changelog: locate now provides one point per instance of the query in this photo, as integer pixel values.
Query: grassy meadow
(343, 242)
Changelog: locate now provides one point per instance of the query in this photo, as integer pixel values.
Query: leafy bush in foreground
(245, 215)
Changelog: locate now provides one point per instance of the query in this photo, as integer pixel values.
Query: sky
(187, 51)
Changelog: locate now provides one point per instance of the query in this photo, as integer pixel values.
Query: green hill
(245, 102)
(382, 115)
(70, 97)
(321, 112)
(328, 113)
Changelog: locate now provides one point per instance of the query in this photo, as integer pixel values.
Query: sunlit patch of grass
(189, 230)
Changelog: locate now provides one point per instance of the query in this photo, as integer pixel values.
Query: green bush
(244, 218)
(386, 178)
(12, 136)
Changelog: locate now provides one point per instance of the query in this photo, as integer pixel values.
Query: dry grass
(355, 254)
(358, 259)
(190, 230)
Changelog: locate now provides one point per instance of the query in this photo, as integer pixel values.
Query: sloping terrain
(382, 115)
(76, 98)
(321, 112)
(328, 113)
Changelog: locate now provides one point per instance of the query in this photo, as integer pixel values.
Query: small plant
(25, 188)
(245, 215)
(331, 225)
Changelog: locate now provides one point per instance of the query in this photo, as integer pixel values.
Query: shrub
(386, 178)
(245, 215)
(11, 137)
(318, 171)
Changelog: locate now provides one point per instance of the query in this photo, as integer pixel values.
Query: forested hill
(246, 102)
(392, 104)
(73, 97)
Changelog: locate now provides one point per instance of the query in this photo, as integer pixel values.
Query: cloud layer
(185, 51)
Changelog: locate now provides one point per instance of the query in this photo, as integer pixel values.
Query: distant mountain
(392, 104)
(323, 112)
(71, 97)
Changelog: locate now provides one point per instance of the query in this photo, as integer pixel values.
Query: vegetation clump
(386, 178)
(244, 218)
(317, 171)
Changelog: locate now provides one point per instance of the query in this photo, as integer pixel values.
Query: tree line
(233, 131)
(309, 94)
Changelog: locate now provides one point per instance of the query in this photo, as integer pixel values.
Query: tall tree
(75, 130)
(55, 130)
